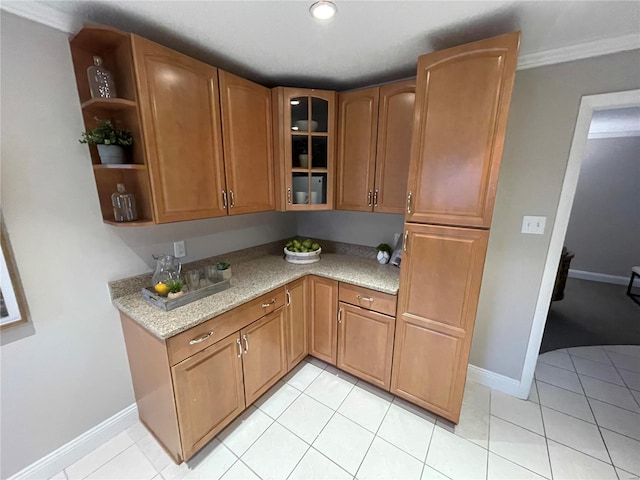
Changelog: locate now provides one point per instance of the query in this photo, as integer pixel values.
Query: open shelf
(120, 166)
(108, 104)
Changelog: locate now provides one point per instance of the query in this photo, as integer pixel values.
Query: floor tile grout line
(520, 426)
(424, 465)
(625, 382)
(102, 464)
(113, 458)
(618, 433)
(597, 425)
(544, 430)
(587, 396)
(163, 451)
(486, 472)
(245, 464)
(569, 414)
(374, 438)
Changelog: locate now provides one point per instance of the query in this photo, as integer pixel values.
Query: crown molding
(577, 52)
(46, 15)
(43, 14)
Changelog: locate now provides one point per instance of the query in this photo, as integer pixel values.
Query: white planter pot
(226, 274)
(111, 154)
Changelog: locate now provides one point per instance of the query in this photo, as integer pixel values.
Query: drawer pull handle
(201, 338)
(375, 198)
(409, 203)
(246, 343)
(239, 347)
(366, 299)
(224, 200)
(340, 315)
(369, 198)
(289, 195)
(233, 199)
(288, 298)
(272, 302)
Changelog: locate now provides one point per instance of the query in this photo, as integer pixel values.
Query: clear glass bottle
(124, 205)
(101, 82)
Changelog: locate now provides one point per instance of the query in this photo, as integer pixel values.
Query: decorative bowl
(302, 258)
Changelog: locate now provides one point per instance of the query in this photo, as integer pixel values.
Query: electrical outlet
(533, 225)
(179, 250)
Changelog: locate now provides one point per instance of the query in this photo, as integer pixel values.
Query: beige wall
(604, 228)
(361, 228)
(72, 372)
(542, 119)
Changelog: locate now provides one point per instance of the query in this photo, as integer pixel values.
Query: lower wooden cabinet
(323, 338)
(264, 356)
(439, 289)
(209, 392)
(296, 318)
(365, 344)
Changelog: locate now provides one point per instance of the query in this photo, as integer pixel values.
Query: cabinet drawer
(201, 336)
(367, 298)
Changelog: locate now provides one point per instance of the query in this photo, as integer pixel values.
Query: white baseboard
(602, 277)
(496, 381)
(77, 448)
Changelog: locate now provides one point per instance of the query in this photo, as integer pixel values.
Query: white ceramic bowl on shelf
(302, 258)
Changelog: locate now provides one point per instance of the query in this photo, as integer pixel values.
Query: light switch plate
(179, 249)
(533, 225)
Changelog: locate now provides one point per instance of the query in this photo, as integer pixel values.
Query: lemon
(161, 289)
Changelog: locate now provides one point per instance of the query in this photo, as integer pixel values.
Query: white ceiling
(278, 43)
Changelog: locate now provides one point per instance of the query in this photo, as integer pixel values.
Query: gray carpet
(591, 313)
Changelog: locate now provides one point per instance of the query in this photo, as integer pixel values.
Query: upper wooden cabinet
(462, 103)
(375, 127)
(304, 144)
(179, 110)
(248, 147)
(182, 137)
(439, 287)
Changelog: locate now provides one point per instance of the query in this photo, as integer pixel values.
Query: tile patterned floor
(582, 421)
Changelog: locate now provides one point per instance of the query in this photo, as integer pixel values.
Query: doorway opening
(588, 106)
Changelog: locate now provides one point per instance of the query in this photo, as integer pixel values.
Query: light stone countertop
(252, 279)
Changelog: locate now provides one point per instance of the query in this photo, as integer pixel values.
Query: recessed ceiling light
(323, 10)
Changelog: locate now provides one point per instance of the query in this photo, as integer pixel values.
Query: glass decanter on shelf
(124, 205)
(101, 82)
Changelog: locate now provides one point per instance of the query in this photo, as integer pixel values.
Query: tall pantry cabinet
(462, 103)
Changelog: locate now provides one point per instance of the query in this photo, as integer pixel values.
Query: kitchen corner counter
(253, 278)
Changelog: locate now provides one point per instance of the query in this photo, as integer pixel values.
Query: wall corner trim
(77, 448)
(496, 381)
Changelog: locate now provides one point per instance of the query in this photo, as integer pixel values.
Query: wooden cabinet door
(365, 344)
(395, 124)
(323, 310)
(297, 343)
(265, 354)
(439, 288)
(357, 130)
(209, 392)
(180, 116)
(462, 103)
(248, 144)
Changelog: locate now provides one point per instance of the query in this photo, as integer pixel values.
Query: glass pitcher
(167, 268)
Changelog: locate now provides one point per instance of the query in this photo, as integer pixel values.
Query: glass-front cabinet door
(305, 144)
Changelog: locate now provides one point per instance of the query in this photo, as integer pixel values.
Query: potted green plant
(109, 140)
(225, 270)
(175, 288)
